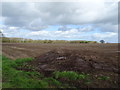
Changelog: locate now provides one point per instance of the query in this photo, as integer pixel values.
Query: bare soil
(95, 59)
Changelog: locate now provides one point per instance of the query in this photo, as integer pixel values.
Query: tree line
(23, 40)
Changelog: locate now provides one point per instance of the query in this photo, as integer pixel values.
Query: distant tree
(1, 34)
(102, 41)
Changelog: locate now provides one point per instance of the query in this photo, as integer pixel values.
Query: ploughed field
(98, 60)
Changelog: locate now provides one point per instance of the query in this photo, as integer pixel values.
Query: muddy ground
(95, 59)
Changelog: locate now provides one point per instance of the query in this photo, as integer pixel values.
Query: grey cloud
(63, 28)
(84, 28)
(37, 16)
(18, 14)
(107, 27)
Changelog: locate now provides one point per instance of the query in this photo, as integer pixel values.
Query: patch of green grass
(52, 81)
(13, 78)
(83, 76)
(70, 75)
(103, 78)
(71, 78)
(66, 74)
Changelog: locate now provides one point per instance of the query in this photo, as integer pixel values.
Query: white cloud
(12, 28)
(104, 35)
(107, 36)
(74, 34)
(39, 33)
(9, 31)
(1, 30)
(54, 34)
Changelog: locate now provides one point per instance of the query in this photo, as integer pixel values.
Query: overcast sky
(61, 20)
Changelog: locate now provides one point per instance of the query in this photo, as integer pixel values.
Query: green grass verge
(13, 78)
